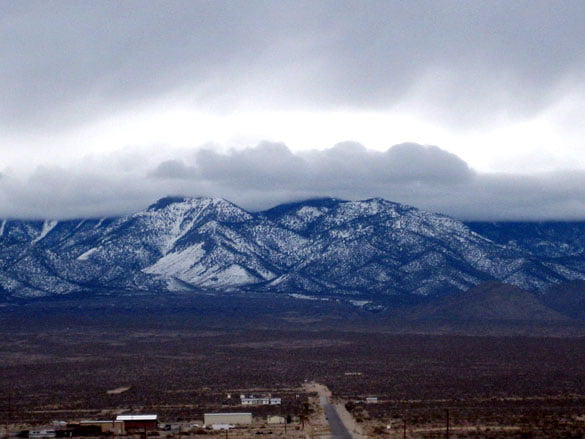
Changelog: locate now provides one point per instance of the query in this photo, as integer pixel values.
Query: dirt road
(341, 423)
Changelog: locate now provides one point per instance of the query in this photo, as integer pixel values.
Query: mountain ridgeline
(321, 247)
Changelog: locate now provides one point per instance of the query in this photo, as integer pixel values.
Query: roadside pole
(447, 424)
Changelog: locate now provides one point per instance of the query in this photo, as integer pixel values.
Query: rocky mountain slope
(371, 248)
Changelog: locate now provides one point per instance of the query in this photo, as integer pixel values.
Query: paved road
(338, 430)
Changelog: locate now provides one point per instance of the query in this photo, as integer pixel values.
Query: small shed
(275, 419)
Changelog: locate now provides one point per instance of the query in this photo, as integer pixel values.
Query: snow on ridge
(178, 263)
(234, 274)
(199, 275)
(370, 245)
(174, 284)
(183, 218)
(310, 213)
(307, 297)
(48, 225)
(176, 219)
(85, 256)
(360, 303)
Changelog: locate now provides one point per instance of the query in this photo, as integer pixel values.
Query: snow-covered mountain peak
(327, 245)
(189, 210)
(322, 204)
(369, 207)
(183, 203)
(165, 202)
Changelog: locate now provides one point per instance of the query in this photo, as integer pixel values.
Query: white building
(275, 419)
(265, 400)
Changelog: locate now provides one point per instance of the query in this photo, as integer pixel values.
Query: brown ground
(62, 367)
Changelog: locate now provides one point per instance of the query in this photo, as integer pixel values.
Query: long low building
(138, 422)
(227, 418)
(263, 400)
(105, 426)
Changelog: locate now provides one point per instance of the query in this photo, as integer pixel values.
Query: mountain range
(320, 247)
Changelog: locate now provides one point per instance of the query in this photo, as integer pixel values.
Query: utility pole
(447, 424)
(8, 414)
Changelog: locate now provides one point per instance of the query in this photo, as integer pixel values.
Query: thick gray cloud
(64, 63)
(346, 166)
(424, 176)
(72, 70)
(270, 173)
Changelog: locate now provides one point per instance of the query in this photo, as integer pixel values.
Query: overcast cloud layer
(62, 62)
(103, 104)
(267, 174)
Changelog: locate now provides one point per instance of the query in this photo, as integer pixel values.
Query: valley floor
(71, 362)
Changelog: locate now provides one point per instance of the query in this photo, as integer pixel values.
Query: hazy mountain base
(490, 309)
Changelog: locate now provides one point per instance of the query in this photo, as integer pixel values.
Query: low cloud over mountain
(259, 177)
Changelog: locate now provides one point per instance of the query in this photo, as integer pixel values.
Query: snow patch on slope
(47, 227)
(186, 265)
(85, 256)
(179, 263)
(232, 275)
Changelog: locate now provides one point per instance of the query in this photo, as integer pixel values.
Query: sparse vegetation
(504, 387)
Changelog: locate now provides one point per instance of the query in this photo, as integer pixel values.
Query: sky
(471, 109)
